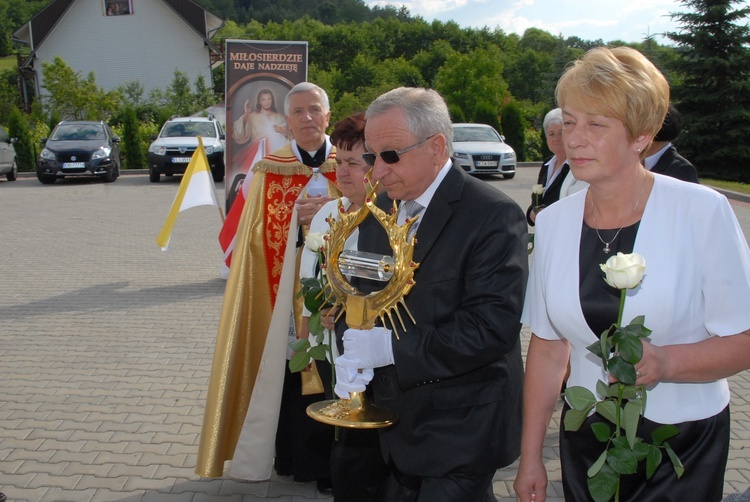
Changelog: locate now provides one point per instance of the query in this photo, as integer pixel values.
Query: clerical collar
(313, 160)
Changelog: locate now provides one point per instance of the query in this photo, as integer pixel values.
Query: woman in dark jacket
(554, 169)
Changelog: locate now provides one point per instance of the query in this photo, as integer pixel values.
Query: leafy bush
(485, 113)
(18, 127)
(533, 145)
(134, 152)
(514, 129)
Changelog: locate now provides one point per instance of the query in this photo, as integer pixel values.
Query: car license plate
(180, 160)
(486, 163)
(73, 165)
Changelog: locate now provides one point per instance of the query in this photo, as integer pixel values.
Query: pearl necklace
(606, 248)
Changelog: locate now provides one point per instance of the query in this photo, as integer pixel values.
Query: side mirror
(43, 140)
(222, 136)
(154, 136)
(116, 139)
(12, 141)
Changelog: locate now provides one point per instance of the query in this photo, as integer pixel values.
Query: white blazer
(696, 285)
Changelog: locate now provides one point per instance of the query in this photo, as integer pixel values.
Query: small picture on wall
(118, 7)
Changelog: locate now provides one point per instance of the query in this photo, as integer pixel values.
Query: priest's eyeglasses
(391, 156)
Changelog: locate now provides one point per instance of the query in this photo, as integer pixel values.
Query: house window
(118, 7)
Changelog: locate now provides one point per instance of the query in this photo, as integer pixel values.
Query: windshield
(189, 130)
(462, 134)
(78, 132)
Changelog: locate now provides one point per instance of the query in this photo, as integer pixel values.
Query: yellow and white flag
(196, 189)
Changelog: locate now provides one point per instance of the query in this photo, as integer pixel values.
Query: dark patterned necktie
(411, 208)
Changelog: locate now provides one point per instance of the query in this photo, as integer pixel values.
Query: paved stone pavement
(106, 346)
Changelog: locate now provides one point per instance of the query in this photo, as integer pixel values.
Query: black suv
(79, 148)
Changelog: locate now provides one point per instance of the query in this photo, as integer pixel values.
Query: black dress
(702, 446)
(551, 192)
(303, 446)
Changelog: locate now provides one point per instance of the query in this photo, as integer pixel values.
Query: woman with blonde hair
(694, 294)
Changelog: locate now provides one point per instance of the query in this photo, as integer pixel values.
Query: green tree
(74, 97)
(456, 113)
(13, 13)
(514, 129)
(18, 127)
(6, 47)
(464, 78)
(532, 75)
(8, 91)
(134, 155)
(538, 40)
(204, 95)
(714, 95)
(180, 95)
(485, 113)
(132, 93)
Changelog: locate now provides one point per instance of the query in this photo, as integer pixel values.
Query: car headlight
(460, 155)
(209, 150)
(101, 153)
(509, 155)
(47, 155)
(158, 149)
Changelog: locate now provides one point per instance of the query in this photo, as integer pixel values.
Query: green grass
(8, 63)
(727, 185)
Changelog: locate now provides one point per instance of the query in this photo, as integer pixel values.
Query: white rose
(537, 189)
(624, 271)
(314, 241)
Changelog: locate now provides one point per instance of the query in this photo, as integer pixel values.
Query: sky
(629, 21)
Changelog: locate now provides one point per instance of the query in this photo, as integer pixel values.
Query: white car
(479, 149)
(172, 149)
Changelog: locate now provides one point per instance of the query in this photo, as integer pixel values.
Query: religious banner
(258, 76)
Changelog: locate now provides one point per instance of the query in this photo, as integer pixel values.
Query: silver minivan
(8, 165)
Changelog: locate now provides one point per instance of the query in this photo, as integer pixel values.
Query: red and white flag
(256, 151)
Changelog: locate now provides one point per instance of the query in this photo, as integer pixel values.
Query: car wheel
(46, 179)
(13, 174)
(218, 174)
(110, 176)
(509, 176)
(154, 176)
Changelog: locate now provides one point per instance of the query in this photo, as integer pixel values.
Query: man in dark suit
(662, 156)
(454, 378)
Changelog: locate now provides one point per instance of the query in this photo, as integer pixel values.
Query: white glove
(371, 348)
(349, 378)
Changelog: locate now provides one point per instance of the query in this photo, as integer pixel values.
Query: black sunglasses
(391, 156)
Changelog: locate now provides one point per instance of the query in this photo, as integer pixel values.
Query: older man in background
(251, 392)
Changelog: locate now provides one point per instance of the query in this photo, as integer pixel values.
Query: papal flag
(196, 189)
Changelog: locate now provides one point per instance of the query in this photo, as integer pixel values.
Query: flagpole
(221, 212)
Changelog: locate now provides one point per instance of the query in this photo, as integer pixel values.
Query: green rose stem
(622, 403)
(330, 343)
(313, 292)
(620, 387)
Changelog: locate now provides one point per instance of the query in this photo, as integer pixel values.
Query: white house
(121, 41)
